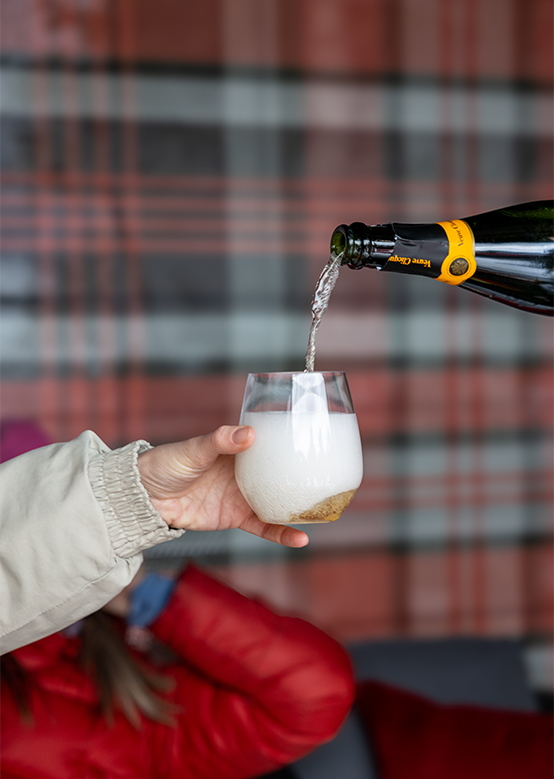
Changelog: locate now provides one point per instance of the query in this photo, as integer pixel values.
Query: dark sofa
(488, 673)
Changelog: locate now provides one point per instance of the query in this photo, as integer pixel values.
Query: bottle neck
(363, 246)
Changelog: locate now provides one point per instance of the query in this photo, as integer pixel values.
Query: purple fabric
(18, 436)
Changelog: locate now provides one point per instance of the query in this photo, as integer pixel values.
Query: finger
(278, 534)
(291, 536)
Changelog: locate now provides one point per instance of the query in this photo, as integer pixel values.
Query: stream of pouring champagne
(320, 301)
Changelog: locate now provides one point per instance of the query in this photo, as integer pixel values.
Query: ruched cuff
(133, 522)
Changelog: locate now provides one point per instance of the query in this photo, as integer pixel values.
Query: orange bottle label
(459, 264)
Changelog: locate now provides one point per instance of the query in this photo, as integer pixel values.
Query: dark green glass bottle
(506, 255)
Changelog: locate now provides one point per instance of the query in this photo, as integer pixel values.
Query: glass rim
(282, 390)
(299, 373)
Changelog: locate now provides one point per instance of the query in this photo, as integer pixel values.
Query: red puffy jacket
(256, 691)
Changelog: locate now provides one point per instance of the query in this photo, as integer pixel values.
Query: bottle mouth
(339, 241)
(351, 243)
(359, 245)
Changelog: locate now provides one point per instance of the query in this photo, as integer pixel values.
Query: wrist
(150, 465)
(169, 510)
(144, 466)
(132, 521)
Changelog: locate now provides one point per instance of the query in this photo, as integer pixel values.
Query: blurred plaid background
(172, 172)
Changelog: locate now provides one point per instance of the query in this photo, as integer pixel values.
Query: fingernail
(240, 435)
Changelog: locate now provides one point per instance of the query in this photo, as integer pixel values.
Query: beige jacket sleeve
(74, 518)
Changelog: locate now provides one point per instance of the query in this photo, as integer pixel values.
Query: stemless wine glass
(306, 462)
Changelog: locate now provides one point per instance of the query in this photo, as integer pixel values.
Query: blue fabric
(149, 599)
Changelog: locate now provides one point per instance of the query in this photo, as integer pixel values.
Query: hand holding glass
(306, 462)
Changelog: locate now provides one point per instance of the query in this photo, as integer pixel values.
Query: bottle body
(506, 255)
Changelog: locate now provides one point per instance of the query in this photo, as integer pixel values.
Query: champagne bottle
(506, 255)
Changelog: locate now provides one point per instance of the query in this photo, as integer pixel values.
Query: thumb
(232, 439)
(200, 453)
